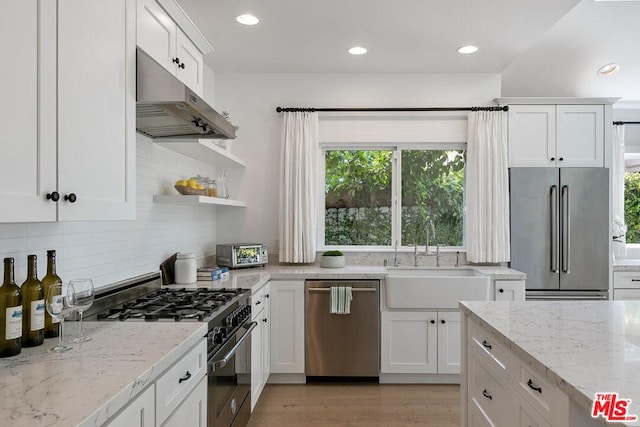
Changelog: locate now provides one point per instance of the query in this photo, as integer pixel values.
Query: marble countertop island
(88, 384)
(584, 347)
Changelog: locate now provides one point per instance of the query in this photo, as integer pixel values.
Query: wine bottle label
(14, 323)
(37, 315)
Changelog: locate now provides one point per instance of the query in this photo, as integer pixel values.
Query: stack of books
(213, 273)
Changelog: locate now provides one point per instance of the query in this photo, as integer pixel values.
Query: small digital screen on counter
(248, 255)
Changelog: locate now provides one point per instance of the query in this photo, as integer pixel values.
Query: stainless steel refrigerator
(560, 231)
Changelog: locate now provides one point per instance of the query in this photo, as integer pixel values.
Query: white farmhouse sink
(435, 287)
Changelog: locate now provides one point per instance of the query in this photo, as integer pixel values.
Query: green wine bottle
(32, 306)
(10, 313)
(51, 278)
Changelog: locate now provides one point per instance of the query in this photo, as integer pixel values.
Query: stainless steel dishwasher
(342, 345)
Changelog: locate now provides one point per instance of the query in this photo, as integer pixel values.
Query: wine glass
(59, 306)
(82, 296)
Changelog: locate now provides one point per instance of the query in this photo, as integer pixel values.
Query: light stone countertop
(257, 277)
(88, 384)
(626, 264)
(584, 347)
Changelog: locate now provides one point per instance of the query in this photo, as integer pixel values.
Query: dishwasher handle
(352, 289)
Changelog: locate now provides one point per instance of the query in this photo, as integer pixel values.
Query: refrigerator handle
(566, 229)
(554, 228)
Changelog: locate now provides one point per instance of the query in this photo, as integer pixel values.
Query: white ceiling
(304, 36)
(541, 47)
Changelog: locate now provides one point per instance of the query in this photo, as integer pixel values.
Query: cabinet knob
(176, 61)
(264, 320)
(71, 197)
(266, 295)
(442, 321)
(55, 196)
(561, 158)
(433, 321)
(181, 65)
(501, 290)
(552, 159)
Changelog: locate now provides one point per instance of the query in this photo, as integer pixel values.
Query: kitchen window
(375, 197)
(632, 197)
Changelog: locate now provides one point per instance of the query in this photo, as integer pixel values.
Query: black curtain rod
(625, 123)
(311, 110)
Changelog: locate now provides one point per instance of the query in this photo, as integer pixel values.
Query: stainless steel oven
(229, 380)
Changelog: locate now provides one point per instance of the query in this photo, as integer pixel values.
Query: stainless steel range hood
(166, 108)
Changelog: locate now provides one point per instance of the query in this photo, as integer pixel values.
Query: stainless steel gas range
(228, 315)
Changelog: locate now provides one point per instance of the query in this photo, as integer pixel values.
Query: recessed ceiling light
(609, 69)
(247, 19)
(467, 49)
(357, 50)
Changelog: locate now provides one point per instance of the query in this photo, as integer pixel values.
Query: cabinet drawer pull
(532, 387)
(185, 378)
(176, 60)
(258, 302)
(487, 395)
(264, 320)
(501, 290)
(181, 65)
(55, 196)
(486, 344)
(633, 280)
(432, 321)
(71, 197)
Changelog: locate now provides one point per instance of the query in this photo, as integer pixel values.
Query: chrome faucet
(433, 233)
(396, 260)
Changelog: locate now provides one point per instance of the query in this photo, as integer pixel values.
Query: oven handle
(221, 363)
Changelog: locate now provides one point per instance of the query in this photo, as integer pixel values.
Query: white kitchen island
(540, 363)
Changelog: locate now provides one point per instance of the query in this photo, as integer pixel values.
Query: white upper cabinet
(69, 128)
(556, 136)
(28, 169)
(96, 109)
(163, 40)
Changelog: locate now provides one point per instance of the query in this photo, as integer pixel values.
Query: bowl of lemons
(189, 187)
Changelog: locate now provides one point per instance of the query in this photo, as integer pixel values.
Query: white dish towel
(340, 300)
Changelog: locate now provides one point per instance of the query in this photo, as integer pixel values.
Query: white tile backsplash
(110, 251)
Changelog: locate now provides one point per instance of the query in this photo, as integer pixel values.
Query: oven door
(229, 381)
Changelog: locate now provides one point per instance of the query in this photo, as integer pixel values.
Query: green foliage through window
(358, 197)
(632, 206)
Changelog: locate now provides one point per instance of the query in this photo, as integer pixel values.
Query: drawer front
(626, 280)
(491, 351)
(489, 391)
(537, 391)
(528, 417)
(257, 303)
(175, 384)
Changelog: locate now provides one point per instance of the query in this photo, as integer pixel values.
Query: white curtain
(299, 185)
(617, 176)
(487, 188)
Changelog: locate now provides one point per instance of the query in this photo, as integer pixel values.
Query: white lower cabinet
(626, 285)
(423, 342)
(502, 390)
(173, 387)
(139, 413)
(193, 410)
(177, 398)
(260, 346)
(509, 290)
(287, 326)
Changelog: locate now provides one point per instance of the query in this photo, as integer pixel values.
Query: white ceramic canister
(186, 268)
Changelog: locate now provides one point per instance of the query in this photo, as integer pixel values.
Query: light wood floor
(321, 405)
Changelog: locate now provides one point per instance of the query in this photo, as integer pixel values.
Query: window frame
(396, 192)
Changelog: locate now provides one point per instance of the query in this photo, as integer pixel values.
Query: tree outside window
(359, 195)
